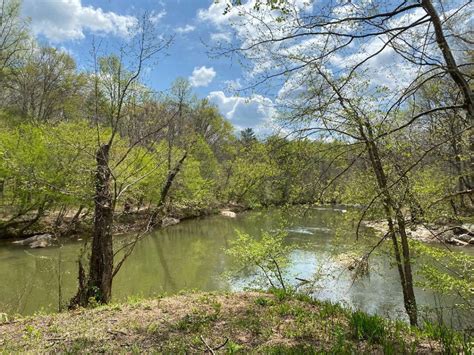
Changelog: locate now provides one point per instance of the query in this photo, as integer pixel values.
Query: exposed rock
(39, 244)
(169, 221)
(37, 241)
(423, 234)
(229, 214)
(433, 233)
(457, 242)
(468, 229)
(466, 238)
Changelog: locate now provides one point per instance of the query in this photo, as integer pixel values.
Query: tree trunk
(402, 257)
(166, 188)
(99, 281)
(452, 69)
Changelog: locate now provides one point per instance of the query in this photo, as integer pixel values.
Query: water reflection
(191, 255)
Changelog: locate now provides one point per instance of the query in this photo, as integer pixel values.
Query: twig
(207, 345)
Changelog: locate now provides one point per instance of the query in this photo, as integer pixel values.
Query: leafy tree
(13, 36)
(247, 137)
(266, 257)
(300, 47)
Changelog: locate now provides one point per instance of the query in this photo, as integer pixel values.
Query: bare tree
(43, 83)
(13, 34)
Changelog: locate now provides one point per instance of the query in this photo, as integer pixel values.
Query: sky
(195, 24)
(199, 25)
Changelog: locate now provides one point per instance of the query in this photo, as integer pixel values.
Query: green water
(190, 256)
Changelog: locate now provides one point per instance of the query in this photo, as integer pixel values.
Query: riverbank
(72, 226)
(197, 322)
(455, 234)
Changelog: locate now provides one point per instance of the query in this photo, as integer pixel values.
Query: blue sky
(71, 25)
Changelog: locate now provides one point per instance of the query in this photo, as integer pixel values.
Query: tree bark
(102, 255)
(451, 64)
(453, 70)
(164, 192)
(99, 281)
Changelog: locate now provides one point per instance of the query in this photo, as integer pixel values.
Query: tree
(13, 35)
(266, 257)
(43, 169)
(247, 137)
(301, 47)
(116, 80)
(44, 85)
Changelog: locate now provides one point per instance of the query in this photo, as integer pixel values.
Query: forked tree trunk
(98, 285)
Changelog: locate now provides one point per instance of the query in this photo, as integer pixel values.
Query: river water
(190, 256)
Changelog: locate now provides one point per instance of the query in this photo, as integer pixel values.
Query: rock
(458, 242)
(229, 214)
(469, 227)
(39, 244)
(423, 234)
(464, 238)
(169, 221)
(37, 241)
(458, 230)
(446, 234)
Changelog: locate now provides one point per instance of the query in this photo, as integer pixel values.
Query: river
(190, 256)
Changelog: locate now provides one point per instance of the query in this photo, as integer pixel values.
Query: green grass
(251, 322)
(451, 342)
(367, 327)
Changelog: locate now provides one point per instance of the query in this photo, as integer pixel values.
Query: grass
(231, 323)
(367, 327)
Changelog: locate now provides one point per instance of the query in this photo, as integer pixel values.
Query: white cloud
(156, 17)
(256, 112)
(221, 37)
(245, 25)
(62, 20)
(185, 29)
(214, 14)
(202, 76)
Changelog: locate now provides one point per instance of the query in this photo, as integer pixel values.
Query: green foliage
(429, 185)
(451, 342)
(444, 271)
(367, 327)
(42, 164)
(262, 301)
(250, 172)
(266, 256)
(198, 319)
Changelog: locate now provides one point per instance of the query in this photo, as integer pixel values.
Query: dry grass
(193, 323)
